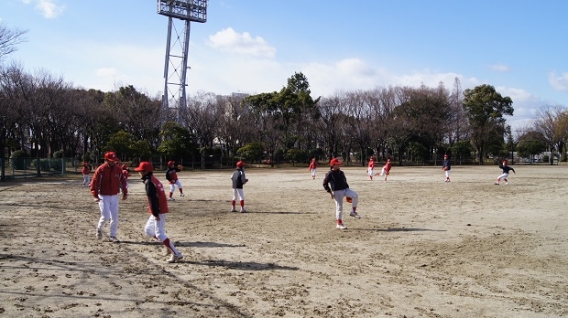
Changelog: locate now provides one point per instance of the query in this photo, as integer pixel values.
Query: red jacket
(108, 180)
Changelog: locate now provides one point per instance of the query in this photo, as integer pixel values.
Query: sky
(253, 46)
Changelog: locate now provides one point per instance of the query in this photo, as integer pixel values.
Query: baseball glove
(180, 167)
(348, 199)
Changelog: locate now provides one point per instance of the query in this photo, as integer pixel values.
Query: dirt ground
(423, 248)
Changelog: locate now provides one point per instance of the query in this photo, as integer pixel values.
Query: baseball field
(423, 247)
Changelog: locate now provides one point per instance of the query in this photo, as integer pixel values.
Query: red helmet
(240, 164)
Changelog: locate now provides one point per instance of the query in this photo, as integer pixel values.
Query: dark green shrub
(18, 159)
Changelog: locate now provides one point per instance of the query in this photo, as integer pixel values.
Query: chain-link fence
(14, 168)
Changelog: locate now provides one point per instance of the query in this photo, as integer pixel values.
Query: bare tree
(9, 39)
(548, 123)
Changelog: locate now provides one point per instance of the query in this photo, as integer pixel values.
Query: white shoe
(341, 226)
(182, 195)
(171, 199)
(175, 258)
(99, 235)
(496, 183)
(233, 210)
(355, 215)
(113, 239)
(243, 210)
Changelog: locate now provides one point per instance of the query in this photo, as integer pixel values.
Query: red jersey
(171, 175)
(108, 180)
(313, 165)
(372, 164)
(157, 200)
(85, 170)
(387, 166)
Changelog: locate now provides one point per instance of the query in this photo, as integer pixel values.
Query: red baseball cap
(171, 162)
(145, 166)
(111, 156)
(240, 163)
(334, 162)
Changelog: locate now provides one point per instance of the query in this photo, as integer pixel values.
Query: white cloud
(48, 8)
(558, 82)
(242, 43)
(110, 64)
(500, 68)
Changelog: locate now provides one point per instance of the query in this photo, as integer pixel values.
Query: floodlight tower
(175, 69)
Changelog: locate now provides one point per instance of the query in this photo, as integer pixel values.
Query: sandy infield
(423, 248)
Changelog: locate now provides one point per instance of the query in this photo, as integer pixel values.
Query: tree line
(411, 125)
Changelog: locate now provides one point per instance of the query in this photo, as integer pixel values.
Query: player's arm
(243, 177)
(123, 186)
(326, 184)
(153, 198)
(95, 184)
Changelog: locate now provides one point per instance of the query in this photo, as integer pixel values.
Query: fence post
(63, 165)
(3, 173)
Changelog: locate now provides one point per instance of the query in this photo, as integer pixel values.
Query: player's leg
(150, 227)
(355, 199)
(180, 188)
(172, 188)
(104, 207)
(241, 194)
(160, 226)
(338, 197)
(234, 201)
(113, 206)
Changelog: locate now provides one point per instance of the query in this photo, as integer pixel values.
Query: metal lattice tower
(177, 47)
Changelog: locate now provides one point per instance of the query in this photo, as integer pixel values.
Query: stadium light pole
(177, 47)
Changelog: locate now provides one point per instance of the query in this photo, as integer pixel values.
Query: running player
(158, 207)
(371, 167)
(86, 170)
(385, 171)
(505, 174)
(447, 166)
(171, 176)
(313, 166)
(336, 185)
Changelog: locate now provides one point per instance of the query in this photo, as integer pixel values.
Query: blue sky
(254, 46)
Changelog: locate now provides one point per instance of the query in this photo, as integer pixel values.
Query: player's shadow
(401, 229)
(250, 266)
(201, 200)
(184, 244)
(275, 212)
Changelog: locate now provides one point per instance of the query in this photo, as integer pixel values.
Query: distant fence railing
(14, 168)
